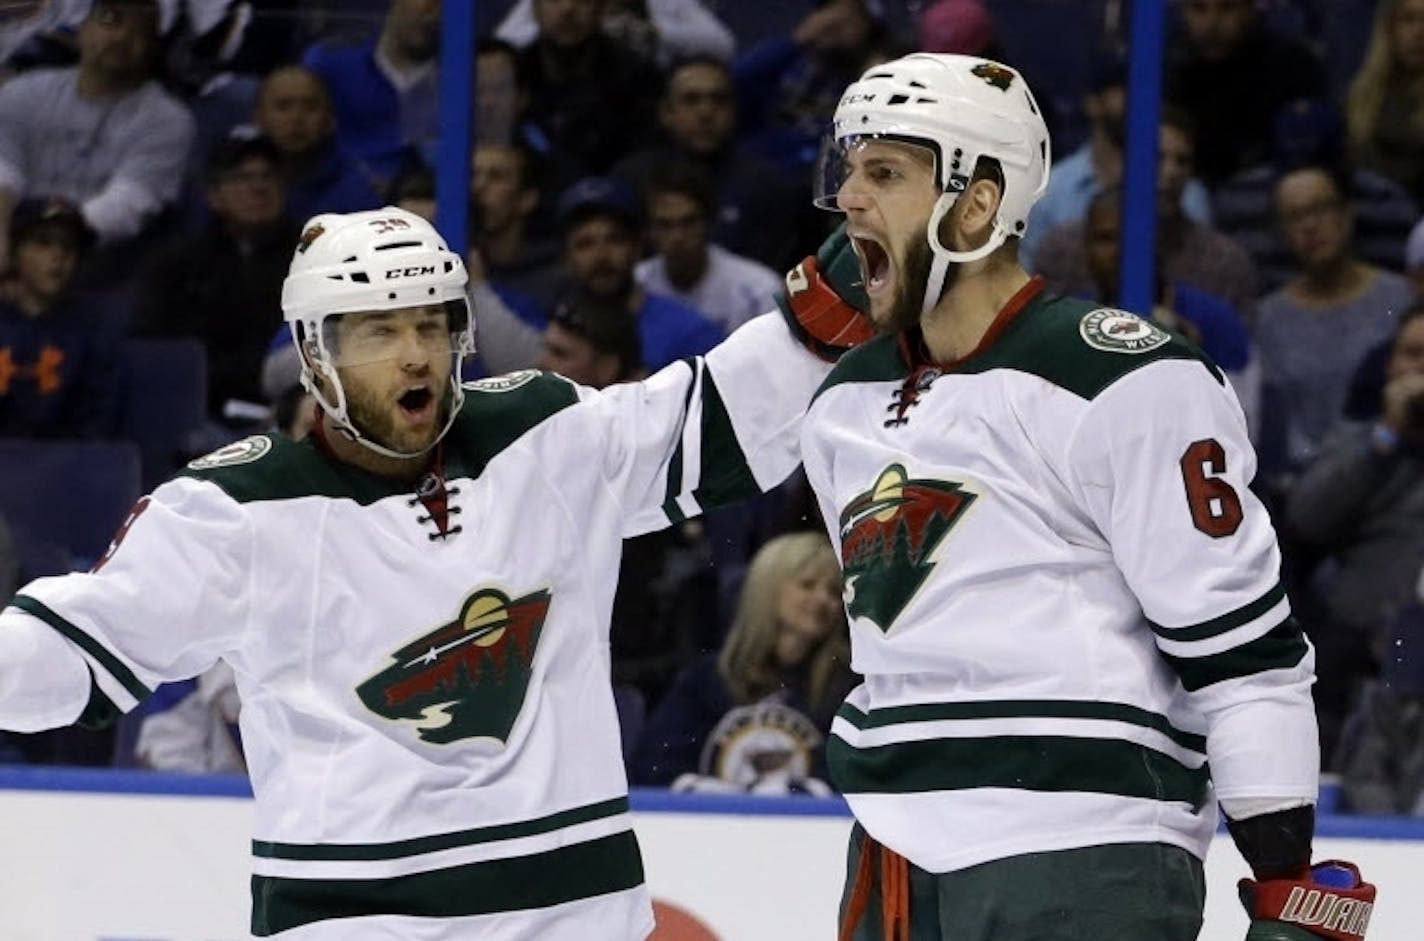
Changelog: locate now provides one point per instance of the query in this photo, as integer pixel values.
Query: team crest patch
(239, 452)
(996, 75)
(1118, 331)
(506, 383)
(889, 535)
(468, 677)
(767, 743)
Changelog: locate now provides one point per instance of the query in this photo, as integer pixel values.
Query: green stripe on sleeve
(1020, 762)
(1282, 648)
(89, 645)
(674, 472)
(1226, 622)
(725, 474)
(539, 880)
(440, 841)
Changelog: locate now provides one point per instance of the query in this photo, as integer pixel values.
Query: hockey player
(1064, 599)
(415, 600)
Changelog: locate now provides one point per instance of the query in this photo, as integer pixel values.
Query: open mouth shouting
(874, 263)
(417, 404)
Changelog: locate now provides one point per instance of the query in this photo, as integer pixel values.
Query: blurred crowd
(640, 179)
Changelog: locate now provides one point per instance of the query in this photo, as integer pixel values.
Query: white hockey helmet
(382, 259)
(961, 109)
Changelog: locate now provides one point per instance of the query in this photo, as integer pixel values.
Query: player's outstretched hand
(824, 301)
(1330, 900)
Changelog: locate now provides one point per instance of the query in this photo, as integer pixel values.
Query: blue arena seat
(63, 500)
(164, 403)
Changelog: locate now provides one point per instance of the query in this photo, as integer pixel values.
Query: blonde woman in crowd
(1386, 97)
(753, 717)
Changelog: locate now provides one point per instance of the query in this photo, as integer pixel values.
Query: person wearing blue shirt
(294, 111)
(383, 90)
(59, 360)
(1098, 163)
(600, 220)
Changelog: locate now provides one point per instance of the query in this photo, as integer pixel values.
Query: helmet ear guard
(380, 260)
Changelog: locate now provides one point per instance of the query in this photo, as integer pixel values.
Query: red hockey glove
(1327, 901)
(824, 300)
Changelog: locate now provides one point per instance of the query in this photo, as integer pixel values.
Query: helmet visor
(852, 171)
(429, 332)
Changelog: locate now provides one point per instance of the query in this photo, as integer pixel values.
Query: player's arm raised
(714, 429)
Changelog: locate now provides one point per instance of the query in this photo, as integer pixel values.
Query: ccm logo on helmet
(413, 271)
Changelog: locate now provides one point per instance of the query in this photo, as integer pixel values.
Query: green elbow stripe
(111, 664)
(1226, 622)
(539, 880)
(674, 472)
(1282, 648)
(725, 476)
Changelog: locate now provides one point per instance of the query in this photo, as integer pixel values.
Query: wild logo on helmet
(889, 535)
(468, 677)
(311, 234)
(995, 74)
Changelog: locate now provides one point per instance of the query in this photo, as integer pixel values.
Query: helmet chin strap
(943, 257)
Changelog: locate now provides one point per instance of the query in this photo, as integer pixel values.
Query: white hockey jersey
(426, 702)
(1063, 597)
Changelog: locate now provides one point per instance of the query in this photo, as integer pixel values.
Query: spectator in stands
(1097, 165)
(591, 98)
(594, 344)
(1312, 133)
(679, 27)
(1386, 98)
(1382, 749)
(724, 287)
(1188, 253)
(1313, 331)
(506, 187)
(760, 211)
(1360, 507)
(788, 87)
(294, 112)
(383, 90)
(600, 220)
(499, 104)
(102, 135)
(754, 716)
(1208, 321)
(59, 363)
(1232, 74)
(223, 286)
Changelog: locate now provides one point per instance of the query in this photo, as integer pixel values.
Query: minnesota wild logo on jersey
(888, 537)
(467, 678)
